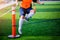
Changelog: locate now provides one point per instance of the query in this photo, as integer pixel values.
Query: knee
(32, 11)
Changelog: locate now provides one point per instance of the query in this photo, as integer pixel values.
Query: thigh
(28, 10)
(22, 13)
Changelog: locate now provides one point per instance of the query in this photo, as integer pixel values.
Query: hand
(38, 2)
(16, 3)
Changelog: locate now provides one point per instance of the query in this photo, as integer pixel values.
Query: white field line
(6, 5)
(5, 13)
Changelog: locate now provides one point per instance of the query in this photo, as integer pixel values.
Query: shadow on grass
(48, 10)
(35, 27)
(32, 38)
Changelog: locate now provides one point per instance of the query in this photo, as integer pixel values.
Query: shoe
(20, 32)
(27, 19)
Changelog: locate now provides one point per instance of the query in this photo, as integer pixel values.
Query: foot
(26, 19)
(20, 32)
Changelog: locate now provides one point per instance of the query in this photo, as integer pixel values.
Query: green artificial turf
(44, 25)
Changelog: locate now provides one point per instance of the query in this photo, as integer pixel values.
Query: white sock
(30, 14)
(26, 15)
(20, 25)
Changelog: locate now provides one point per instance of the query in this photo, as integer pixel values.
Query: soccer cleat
(27, 19)
(20, 32)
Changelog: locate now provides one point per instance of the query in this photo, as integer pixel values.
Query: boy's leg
(21, 20)
(29, 15)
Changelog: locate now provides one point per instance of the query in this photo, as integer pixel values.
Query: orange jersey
(26, 3)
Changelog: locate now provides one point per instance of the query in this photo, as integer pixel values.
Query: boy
(26, 11)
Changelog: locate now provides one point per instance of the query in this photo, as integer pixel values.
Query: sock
(26, 15)
(20, 25)
(30, 14)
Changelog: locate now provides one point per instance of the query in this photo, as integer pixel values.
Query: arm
(34, 4)
(38, 1)
(16, 2)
